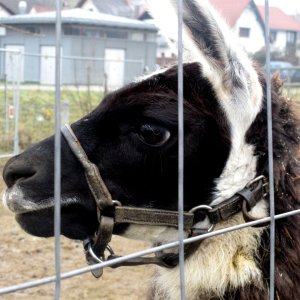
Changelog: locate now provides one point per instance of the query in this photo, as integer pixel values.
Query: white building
(284, 29)
(243, 17)
(247, 21)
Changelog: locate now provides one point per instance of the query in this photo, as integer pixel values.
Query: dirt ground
(25, 258)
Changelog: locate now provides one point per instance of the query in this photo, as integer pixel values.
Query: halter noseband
(243, 201)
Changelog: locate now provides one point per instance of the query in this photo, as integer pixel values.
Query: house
(9, 7)
(248, 22)
(166, 54)
(96, 48)
(123, 8)
(244, 19)
(14, 7)
(284, 30)
(241, 15)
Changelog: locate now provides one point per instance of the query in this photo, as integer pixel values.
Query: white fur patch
(147, 76)
(154, 234)
(239, 170)
(220, 263)
(15, 200)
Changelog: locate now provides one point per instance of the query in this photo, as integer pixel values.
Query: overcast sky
(288, 6)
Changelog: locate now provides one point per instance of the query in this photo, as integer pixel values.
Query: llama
(132, 139)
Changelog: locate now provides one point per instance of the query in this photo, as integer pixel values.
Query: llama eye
(153, 135)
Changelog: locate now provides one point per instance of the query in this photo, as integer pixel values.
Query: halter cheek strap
(102, 197)
(95, 248)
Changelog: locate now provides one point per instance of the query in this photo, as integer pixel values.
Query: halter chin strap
(95, 248)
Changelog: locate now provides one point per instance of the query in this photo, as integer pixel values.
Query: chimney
(22, 7)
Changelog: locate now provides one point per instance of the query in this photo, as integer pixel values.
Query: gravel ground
(25, 258)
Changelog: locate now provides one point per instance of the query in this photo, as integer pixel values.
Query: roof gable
(112, 7)
(12, 6)
(278, 19)
(231, 10)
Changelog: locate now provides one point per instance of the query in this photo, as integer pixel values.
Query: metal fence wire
(181, 241)
(28, 100)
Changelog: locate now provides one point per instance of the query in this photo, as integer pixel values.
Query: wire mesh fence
(85, 81)
(77, 92)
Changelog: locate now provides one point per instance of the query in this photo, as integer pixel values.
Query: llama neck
(220, 264)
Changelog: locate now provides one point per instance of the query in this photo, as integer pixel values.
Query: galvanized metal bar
(6, 155)
(140, 61)
(16, 101)
(46, 280)
(6, 107)
(57, 160)
(270, 154)
(180, 152)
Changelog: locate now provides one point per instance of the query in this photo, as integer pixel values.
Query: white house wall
(139, 54)
(89, 5)
(255, 41)
(280, 42)
(3, 12)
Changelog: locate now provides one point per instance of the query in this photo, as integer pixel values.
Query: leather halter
(243, 201)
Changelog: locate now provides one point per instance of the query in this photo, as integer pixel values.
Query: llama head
(132, 138)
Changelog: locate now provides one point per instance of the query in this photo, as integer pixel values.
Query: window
(94, 32)
(83, 31)
(244, 32)
(70, 30)
(137, 36)
(291, 38)
(116, 34)
(32, 29)
(273, 35)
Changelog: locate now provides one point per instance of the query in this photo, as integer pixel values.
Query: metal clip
(199, 231)
(92, 258)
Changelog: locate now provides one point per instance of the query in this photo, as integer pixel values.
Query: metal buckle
(265, 184)
(92, 258)
(199, 231)
(247, 217)
(116, 203)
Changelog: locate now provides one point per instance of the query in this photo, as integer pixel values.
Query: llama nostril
(16, 173)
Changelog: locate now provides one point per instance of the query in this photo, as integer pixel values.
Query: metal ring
(116, 203)
(92, 253)
(200, 207)
(203, 207)
(110, 249)
(211, 228)
(258, 178)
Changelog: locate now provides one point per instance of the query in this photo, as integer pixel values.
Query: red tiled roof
(279, 20)
(40, 8)
(231, 10)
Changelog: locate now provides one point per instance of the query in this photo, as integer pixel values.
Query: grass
(37, 114)
(293, 93)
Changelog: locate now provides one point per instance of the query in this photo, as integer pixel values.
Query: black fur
(287, 193)
(135, 173)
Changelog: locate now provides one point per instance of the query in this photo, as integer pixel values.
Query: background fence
(27, 105)
(27, 97)
(30, 105)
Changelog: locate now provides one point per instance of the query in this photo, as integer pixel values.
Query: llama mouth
(15, 200)
(41, 223)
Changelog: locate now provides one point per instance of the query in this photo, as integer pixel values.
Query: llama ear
(206, 39)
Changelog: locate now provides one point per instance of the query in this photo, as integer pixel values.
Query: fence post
(6, 107)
